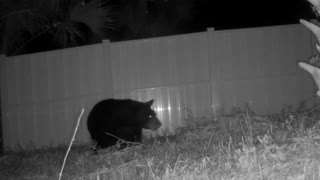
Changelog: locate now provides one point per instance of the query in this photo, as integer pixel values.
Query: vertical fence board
(173, 67)
(249, 63)
(46, 91)
(159, 61)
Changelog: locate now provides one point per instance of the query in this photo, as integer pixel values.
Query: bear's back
(111, 113)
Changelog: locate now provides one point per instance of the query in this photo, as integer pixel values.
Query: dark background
(249, 13)
(136, 19)
(168, 17)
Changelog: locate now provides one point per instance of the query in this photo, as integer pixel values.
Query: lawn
(242, 145)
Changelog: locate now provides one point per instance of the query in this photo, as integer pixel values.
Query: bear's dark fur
(121, 118)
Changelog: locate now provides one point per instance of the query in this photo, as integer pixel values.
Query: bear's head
(148, 117)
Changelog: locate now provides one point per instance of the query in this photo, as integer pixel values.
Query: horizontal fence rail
(196, 75)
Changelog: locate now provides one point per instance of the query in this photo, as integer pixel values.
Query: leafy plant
(36, 25)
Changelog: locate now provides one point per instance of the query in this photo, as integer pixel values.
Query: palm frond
(68, 34)
(57, 19)
(95, 14)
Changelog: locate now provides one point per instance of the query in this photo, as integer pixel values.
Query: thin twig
(122, 140)
(73, 137)
(313, 109)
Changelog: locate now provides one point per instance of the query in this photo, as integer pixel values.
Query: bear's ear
(149, 103)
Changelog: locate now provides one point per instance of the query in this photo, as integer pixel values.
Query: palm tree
(36, 25)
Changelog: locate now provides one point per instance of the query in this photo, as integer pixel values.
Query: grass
(243, 145)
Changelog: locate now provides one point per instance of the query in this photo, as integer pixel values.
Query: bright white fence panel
(172, 70)
(258, 67)
(42, 94)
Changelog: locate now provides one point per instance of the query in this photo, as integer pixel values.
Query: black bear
(120, 118)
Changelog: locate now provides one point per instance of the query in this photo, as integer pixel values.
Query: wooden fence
(206, 73)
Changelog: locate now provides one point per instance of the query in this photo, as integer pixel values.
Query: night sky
(250, 13)
(169, 17)
(139, 19)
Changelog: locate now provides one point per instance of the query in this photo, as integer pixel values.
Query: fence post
(2, 57)
(210, 33)
(108, 68)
